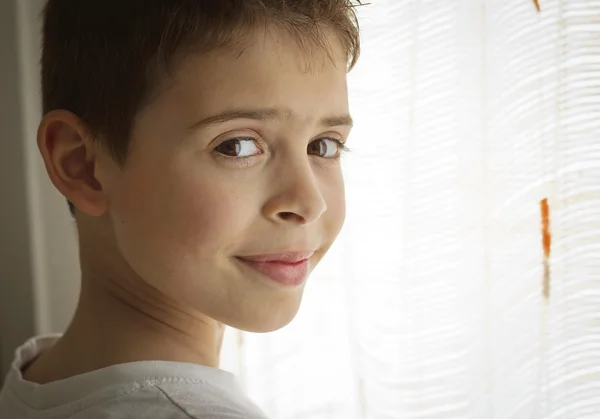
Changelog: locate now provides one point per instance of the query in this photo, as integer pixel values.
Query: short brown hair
(102, 59)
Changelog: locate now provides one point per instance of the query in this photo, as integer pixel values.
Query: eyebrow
(268, 114)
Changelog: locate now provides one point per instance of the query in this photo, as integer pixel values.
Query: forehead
(267, 70)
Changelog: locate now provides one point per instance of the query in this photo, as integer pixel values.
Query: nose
(297, 196)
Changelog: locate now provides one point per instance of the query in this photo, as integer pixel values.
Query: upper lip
(284, 257)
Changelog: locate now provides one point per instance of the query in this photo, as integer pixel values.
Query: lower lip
(291, 274)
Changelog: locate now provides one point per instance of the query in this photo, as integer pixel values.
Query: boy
(198, 145)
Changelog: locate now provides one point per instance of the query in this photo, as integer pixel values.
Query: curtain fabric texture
(466, 281)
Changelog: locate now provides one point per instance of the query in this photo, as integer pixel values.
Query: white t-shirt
(146, 389)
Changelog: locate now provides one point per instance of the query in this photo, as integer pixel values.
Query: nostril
(286, 215)
(290, 216)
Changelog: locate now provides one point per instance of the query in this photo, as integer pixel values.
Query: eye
(239, 147)
(328, 148)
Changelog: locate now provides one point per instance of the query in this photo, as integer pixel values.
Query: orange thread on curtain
(537, 5)
(547, 246)
(546, 236)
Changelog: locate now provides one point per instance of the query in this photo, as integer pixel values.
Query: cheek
(203, 215)
(336, 206)
(170, 222)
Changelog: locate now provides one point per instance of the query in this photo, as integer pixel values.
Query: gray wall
(16, 267)
(39, 274)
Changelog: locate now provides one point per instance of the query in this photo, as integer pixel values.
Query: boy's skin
(159, 237)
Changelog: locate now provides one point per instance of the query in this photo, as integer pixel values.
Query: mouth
(290, 268)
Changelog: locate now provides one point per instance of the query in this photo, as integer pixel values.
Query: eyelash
(344, 149)
(245, 161)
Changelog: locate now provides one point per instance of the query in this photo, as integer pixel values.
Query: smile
(289, 269)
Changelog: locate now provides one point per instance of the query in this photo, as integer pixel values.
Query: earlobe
(70, 157)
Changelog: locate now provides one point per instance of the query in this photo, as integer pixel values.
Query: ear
(70, 158)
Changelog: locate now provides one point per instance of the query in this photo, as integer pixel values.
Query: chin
(266, 327)
(265, 321)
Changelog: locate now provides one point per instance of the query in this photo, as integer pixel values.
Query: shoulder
(171, 398)
(193, 399)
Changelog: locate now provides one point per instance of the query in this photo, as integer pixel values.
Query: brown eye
(238, 147)
(327, 148)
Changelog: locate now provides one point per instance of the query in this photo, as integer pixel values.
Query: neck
(118, 322)
(130, 325)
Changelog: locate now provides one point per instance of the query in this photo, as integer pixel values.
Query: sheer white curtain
(432, 305)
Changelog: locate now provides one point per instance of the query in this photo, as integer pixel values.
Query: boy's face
(195, 197)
